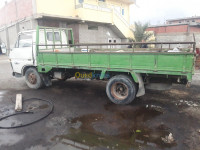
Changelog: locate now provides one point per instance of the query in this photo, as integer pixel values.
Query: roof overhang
(127, 1)
(56, 17)
(187, 18)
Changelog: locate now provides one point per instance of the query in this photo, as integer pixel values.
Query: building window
(90, 27)
(193, 20)
(81, 1)
(179, 21)
(123, 11)
(102, 0)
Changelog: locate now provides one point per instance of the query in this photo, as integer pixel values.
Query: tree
(140, 33)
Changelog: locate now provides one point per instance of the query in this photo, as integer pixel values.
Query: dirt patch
(178, 93)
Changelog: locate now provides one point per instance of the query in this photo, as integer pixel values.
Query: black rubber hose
(25, 112)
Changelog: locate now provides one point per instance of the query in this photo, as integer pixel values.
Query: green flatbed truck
(50, 53)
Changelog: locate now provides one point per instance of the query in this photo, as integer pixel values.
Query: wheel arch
(26, 68)
(137, 78)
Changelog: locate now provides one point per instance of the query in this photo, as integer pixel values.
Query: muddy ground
(84, 118)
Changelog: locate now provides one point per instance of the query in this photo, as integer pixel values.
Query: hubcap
(119, 90)
(32, 78)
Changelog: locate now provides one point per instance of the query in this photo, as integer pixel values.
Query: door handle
(16, 63)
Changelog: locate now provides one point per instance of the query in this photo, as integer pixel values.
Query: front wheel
(121, 89)
(33, 79)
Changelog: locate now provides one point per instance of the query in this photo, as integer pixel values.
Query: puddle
(8, 138)
(1, 95)
(9, 122)
(61, 146)
(37, 147)
(35, 106)
(123, 127)
(57, 122)
(44, 106)
(1, 98)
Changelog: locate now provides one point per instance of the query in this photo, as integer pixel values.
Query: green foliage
(139, 32)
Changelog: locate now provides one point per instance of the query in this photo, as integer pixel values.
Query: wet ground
(84, 118)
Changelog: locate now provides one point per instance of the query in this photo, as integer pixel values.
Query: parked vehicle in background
(3, 48)
(45, 54)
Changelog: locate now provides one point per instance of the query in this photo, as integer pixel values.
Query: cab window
(24, 40)
(50, 36)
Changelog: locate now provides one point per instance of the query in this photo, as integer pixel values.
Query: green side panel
(99, 60)
(143, 61)
(64, 59)
(120, 61)
(81, 59)
(49, 58)
(40, 58)
(47, 68)
(170, 62)
(189, 64)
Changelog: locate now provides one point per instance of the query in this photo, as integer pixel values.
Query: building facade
(195, 19)
(179, 30)
(92, 21)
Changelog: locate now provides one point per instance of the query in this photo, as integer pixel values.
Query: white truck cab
(23, 55)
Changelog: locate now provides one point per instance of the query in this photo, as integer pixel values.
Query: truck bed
(115, 56)
(180, 63)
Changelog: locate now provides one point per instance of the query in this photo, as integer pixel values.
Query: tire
(33, 79)
(121, 89)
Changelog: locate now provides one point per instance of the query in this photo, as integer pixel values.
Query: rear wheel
(33, 79)
(121, 89)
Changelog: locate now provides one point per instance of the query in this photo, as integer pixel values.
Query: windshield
(25, 40)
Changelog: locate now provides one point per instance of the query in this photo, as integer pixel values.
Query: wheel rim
(119, 91)
(32, 78)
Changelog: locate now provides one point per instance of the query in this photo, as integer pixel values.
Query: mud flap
(46, 80)
(141, 89)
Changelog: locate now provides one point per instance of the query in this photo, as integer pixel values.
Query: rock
(195, 105)
(168, 139)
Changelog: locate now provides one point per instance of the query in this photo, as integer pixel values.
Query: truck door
(22, 54)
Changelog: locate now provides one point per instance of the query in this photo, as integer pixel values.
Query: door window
(24, 40)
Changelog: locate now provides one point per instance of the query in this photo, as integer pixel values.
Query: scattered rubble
(188, 103)
(168, 139)
(157, 108)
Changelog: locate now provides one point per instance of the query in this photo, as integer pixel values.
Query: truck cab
(23, 55)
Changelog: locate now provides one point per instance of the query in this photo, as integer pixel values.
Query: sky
(2, 2)
(157, 11)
